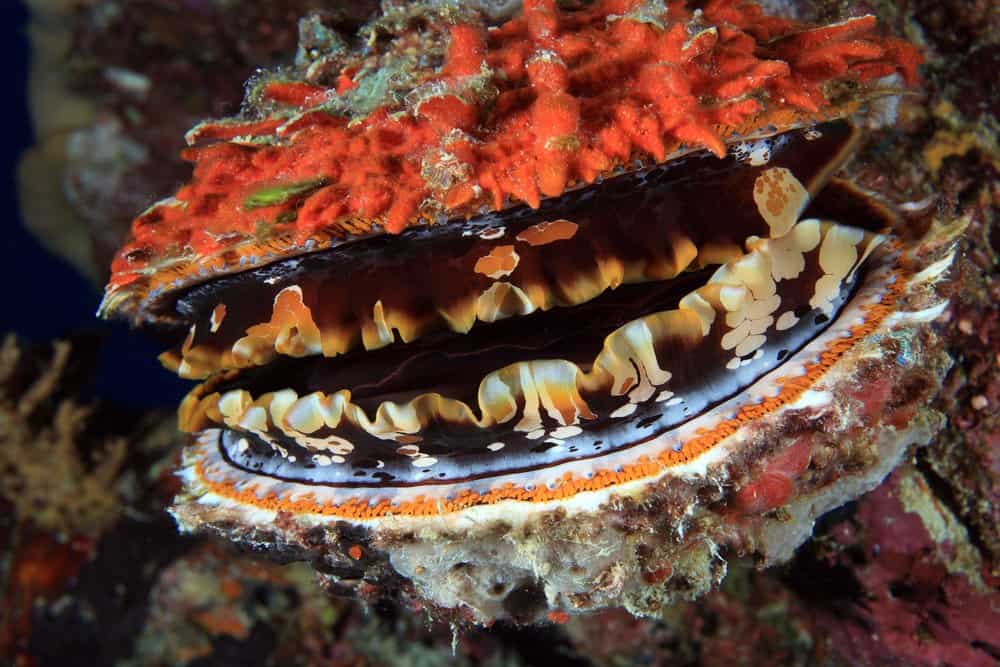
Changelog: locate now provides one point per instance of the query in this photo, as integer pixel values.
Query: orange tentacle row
(546, 319)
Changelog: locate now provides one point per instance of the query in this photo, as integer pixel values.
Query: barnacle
(577, 316)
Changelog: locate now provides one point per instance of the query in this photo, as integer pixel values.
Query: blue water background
(43, 296)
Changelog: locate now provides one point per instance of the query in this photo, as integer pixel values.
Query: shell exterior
(544, 320)
(547, 101)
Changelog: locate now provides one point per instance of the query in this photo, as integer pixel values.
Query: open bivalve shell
(573, 319)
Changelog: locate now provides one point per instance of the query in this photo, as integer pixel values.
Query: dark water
(45, 297)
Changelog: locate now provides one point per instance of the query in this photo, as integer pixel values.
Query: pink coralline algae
(914, 590)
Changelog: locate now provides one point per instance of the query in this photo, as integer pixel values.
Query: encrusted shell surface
(545, 102)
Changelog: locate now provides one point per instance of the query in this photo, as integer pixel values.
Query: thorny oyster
(544, 317)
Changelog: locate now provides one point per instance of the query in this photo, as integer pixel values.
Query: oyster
(559, 315)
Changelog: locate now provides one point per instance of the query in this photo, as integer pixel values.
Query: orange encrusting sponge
(547, 100)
